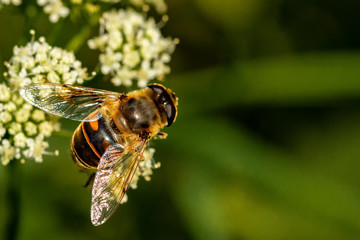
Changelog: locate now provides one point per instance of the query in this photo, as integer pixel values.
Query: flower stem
(56, 31)
(84, 34)
(12, 201)
(80, 39)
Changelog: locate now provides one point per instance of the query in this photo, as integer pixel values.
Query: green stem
(12, 201)
(79, 40)
(84, 34)
(56, 31)
(64, 133)
(2, 68)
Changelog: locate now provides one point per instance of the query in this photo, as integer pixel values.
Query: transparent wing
(68, 101)
(115, 172)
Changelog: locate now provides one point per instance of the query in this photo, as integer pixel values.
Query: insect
(115, 129)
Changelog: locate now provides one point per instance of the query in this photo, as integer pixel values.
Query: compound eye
(163, 98)
(170, 113)
(156, 88)
(166, 103)
(169, 108)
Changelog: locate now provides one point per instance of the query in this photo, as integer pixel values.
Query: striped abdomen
(90, 140)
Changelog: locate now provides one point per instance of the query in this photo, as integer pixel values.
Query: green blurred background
(266, 143)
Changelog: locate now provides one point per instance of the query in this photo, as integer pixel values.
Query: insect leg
(90, 180)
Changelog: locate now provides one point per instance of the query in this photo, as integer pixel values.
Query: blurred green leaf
(236, 14)
(282, 81)
(228, 182)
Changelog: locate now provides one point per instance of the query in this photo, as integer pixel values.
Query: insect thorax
(140, 113)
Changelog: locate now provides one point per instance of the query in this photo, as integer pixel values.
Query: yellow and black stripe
(90, 140)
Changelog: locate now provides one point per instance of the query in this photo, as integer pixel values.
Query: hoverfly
(115, 129)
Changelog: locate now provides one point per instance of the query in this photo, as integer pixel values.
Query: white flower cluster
(145, 169)
(55, 9)
(22, 128)
(39, 62)
(8, 2)
(132, 48)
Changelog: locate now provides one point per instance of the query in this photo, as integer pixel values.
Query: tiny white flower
(56, 126)
(17, 99)
(55, 53)
(115, 39)
(145, 167)
(7, 153)
(53, 77)
(62, 69)
(16, 2)
(41, 2)
(165, 57)
(5, 143)
(22, 73)
(161, 68)
(17, 153)
(10, 107)
(38, 115)
(131, 59)
(27, 106)
(124, 200)
(8, 2)
(30, 128)
(20, 140)
(123, 77)
(5, 117)
(146, 49)
(4, 93)
(22, 115)
(145, 73)
(37, 148)
(98, 42)
(109, 61)
(46, 128)
(14, 128)
(28, 62)
(55, 9)
(40, 57)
